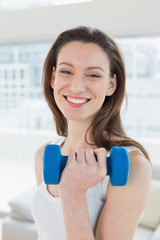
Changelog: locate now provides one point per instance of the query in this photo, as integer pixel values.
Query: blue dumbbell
(117, 165)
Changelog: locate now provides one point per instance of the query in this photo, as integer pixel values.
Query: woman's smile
(76, 101)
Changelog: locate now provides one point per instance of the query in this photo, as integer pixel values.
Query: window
(21, 93)
(20, 87)
(142, 60)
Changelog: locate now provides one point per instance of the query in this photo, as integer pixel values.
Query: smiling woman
(84, 85)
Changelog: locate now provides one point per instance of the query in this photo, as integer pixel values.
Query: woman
(84, 85)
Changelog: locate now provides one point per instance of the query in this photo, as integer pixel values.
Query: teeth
(77, 101)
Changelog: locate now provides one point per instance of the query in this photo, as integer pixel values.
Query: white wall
(116, 17)
(21, 146)
(17, 151)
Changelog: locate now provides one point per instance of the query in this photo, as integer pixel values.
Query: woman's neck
(76, 137)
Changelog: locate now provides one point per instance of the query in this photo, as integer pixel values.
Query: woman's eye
(93, 75)
(65, 72)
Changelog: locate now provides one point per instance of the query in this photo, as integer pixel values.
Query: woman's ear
(53, 77)
(112, 85)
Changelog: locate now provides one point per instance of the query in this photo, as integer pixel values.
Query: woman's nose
(77, 84)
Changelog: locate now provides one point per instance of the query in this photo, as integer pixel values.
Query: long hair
(106, 128)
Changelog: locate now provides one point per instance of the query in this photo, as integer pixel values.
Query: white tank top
(47, 210)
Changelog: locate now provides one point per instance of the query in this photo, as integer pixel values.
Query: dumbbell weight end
(53, 164)
(118, 166)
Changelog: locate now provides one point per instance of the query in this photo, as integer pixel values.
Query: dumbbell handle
(65, 158)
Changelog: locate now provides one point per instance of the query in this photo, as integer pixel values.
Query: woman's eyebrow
(100, 68)
(66, 63)
(89, 68)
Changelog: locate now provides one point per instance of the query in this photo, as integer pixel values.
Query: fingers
(71, 158)
(88, 156)
(81, 156)
(77, 157)
(101, 155)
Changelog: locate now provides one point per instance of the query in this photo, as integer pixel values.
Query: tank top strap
(58, 140)
(133, 148)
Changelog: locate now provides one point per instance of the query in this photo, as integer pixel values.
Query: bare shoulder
(39, 164)
(139, 176)
(128, 202)
(140, 168)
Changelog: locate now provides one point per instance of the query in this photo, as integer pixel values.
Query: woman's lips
(76, 100)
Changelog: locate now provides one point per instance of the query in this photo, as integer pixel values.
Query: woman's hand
(83, 171)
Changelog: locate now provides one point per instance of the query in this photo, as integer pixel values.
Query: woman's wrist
(68, 194)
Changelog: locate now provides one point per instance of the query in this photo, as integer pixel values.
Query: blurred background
(27, 31)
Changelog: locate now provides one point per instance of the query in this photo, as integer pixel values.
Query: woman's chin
(77, 118)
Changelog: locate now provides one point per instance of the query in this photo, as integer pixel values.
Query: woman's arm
(125, 205)
(122, 210)
(76, 217)
(81, 172)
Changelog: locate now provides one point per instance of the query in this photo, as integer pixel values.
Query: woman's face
(81, 80)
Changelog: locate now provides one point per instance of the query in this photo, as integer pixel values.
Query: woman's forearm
(76, 217)
(81, 173)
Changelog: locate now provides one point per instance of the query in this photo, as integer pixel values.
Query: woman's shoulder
(140, 170)
(138, 160)
(132, 148)
(39, 153)
(140, 166)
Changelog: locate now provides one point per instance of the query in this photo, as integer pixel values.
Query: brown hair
(106, 129)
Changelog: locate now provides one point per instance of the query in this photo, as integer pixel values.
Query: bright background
(27, 31)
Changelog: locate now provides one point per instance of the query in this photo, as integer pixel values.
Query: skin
(83, 72)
